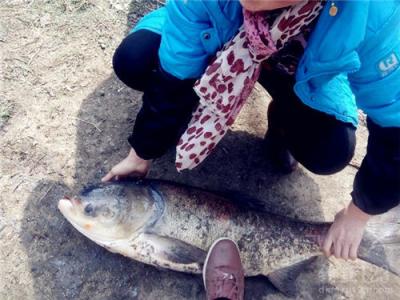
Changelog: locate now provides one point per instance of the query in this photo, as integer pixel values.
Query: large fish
(172, 226)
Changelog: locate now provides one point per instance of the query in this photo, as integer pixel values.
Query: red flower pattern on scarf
(230, 78)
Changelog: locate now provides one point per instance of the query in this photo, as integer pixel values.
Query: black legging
(321, 143)
(136, 57)
(167, 101)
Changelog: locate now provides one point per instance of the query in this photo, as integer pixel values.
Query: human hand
(132, 165)
(345, 234)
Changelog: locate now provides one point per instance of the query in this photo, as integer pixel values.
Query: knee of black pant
(136, 57)
(328, 167)
(330, 156)
(126, 69)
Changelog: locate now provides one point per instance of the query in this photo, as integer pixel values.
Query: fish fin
(380, 245)
(243, 201)
(284, 279)
(170, 253)
(239, 198)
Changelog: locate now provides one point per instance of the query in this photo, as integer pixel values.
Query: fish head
(107, 213)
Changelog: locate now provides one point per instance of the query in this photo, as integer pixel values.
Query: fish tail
(381, 242)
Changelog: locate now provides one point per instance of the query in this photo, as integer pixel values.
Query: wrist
(357, 213)
(132, 156)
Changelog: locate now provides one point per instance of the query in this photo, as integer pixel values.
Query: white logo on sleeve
(388, 64)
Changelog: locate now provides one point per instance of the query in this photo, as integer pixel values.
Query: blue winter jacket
(351, 60)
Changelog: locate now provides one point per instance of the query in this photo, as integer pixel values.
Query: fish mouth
(67, 207)
(68, 202)
(65, 204)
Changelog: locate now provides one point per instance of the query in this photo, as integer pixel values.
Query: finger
(322, 237)
(353, 251)
(337, 248)
(326, 247)
(320, 241)
(117, 177)
(108, 177)
(345, 252)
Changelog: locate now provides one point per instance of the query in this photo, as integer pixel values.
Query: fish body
(172, 226)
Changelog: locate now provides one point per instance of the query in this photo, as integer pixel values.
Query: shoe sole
(208, 256)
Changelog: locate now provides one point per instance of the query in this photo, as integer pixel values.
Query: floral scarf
(231, 76)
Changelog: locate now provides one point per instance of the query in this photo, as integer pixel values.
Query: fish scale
(262, 237)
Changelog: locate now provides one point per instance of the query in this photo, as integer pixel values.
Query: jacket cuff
(372, 196)
(362, 203)
(143, 149)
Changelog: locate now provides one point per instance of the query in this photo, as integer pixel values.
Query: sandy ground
(64, 119)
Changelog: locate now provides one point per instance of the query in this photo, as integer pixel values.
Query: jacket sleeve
(376, 84)
(377, 183)
(182, 53)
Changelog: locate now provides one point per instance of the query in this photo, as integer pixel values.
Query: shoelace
(226, 286)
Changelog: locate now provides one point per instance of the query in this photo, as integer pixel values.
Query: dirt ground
(64, 119)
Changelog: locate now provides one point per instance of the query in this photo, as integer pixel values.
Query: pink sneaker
(223, 273)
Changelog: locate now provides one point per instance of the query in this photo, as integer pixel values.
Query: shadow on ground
(66, 265)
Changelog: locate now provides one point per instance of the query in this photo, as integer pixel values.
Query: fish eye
(88, 209)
